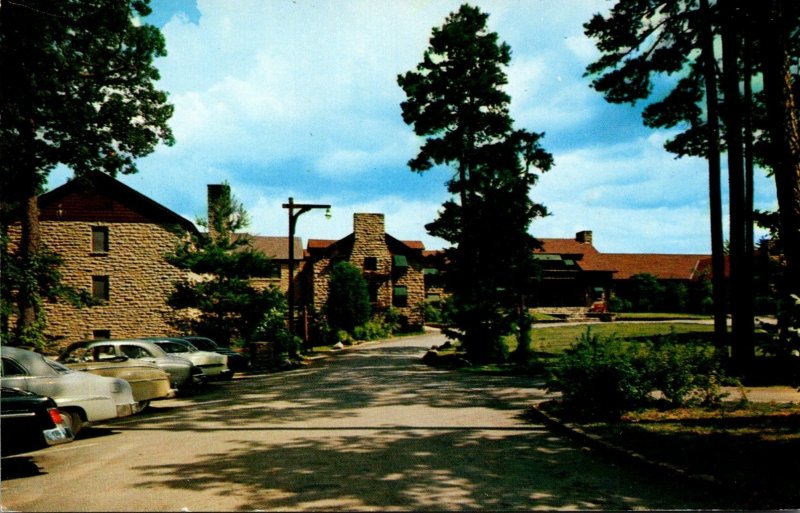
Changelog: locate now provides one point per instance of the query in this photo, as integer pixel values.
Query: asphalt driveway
(368, 429)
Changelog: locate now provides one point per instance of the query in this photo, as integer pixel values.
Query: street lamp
(295, 211)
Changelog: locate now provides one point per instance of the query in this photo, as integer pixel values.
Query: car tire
(142, 406)
(72, 419)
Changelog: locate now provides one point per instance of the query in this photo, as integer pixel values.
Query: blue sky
(299, 98)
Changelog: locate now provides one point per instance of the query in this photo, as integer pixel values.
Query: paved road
(369, 429)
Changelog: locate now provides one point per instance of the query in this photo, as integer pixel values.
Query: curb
(598, 443)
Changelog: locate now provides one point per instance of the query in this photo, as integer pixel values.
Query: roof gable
(97, 197)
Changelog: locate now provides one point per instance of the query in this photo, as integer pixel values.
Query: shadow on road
(376, 429)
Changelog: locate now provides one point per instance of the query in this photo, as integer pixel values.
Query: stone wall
(139, 279)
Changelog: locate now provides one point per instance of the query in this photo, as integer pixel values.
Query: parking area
(370, 429)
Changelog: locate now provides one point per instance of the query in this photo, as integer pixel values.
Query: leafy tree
(218, 299)
(78, 90)
(348, 305)
(455, 99)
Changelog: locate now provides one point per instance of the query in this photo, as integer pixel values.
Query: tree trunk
(743, 350)
(30, 240)
(714, 183)
(784, 136)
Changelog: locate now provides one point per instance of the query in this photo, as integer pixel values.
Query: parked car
(81, 397)
(147, 380)
(214, 365)
(29, 422)
(182, 373)
(236, 362)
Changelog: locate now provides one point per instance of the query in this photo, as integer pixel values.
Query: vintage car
(29, 422)
(147, 380)
(182, 373)
(236, 362)
(214, 365)
(81, 397)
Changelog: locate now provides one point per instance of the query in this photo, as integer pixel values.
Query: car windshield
(201, 343)
(173, 347)
(60, 368)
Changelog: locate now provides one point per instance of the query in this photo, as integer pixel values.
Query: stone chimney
(584, 237)
(369, 245)
(216, 194)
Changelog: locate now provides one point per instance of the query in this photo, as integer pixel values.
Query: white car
(214, 365)
(81, 397)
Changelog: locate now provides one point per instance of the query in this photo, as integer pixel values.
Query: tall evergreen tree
(77, 89)
(455, 99)
(218, 300)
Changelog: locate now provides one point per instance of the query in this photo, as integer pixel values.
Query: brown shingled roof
(566, 247)
(662, 266)
(278, 247)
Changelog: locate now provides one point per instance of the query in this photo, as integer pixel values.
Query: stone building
(113, 241)
(392, 268)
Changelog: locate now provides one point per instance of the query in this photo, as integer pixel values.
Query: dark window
(99, 239)
(12, 368)
(370, 263)
(373, 292)
(100, 288)
(101, 334)
(400, 297)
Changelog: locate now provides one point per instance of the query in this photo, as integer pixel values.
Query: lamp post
(295, 211)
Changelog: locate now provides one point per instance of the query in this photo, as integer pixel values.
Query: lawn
(549, 340)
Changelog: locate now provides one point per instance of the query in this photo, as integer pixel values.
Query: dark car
(236, 361)
(29, 422)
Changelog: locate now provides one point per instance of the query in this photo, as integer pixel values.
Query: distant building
(392, 268)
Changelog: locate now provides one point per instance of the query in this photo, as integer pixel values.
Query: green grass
(553, 340)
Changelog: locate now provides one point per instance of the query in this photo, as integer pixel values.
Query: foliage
(348, 298)
(645, 293)
(455, 99)
(219, 301)
(604, 378)
(78, 90)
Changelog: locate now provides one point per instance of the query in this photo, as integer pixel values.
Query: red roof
(662, 266)
(566, 247)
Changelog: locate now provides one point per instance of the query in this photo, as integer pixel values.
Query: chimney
(369, 229)
(217, 194)
(584, 237)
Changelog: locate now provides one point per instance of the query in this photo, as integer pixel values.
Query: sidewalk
(777, 394)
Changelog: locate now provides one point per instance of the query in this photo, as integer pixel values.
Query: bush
(684, 373)
(602, 379)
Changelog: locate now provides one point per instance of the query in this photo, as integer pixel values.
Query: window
(370, 263)
(373, 292)
(400, 262)
(101, 334)
(135, 352)
(99, 239)
(12, 369)
(400, 297)
(100, 288)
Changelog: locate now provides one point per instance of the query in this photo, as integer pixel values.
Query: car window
(135, 352)
(172, 347)
(12, 369)
(79, 354)
(104, 352)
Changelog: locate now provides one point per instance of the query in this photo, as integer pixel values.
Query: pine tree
(456, 101)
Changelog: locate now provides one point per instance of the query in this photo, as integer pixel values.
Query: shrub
(684, 373)
(606, 378)
(600, 378)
